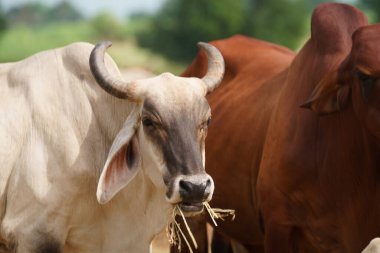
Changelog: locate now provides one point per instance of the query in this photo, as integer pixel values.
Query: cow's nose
(195, 189)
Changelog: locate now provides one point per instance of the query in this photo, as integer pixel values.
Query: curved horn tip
(105, 43)
(202, 44)
(115, 86)
(215, 71)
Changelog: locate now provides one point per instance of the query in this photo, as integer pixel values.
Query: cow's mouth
(188, 207)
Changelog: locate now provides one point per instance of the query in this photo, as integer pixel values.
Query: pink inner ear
(117, 169)
(123, 167)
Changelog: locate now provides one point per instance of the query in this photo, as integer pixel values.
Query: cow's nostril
(193, 192)
(185, 187)
(208, 183)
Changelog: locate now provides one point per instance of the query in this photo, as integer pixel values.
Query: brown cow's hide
(300, 180)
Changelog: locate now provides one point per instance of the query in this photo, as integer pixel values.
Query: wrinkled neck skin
(131, 219)
(128, 223)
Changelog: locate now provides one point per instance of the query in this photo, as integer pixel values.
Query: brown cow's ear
(122, 163)
(328, 96)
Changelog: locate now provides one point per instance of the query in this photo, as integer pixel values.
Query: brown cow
(319, 180)
(318, 186)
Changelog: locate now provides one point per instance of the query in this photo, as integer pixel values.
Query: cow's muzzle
(190, 191)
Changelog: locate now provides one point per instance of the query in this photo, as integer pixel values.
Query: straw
(218, 213)
(174, 231)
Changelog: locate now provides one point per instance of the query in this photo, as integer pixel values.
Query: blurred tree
(63, 11)
(3, 21)
(107, 26)
(181, 23)
(177, 27)
(137, 22)
(279, 21)
(374, 7)
(32, 13)
(36, 13)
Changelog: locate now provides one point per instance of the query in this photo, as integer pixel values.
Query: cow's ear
(122, 163)
(328, 96)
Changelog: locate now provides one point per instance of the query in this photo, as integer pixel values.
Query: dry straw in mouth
(174, 231)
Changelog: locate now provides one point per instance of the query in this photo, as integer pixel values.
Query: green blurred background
(157, 39)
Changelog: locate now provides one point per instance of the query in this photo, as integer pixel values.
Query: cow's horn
(114, 86)
(215, 69)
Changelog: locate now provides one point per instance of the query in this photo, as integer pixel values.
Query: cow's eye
(147, 122)
(367, 82)
(205, 124)
(365, 78)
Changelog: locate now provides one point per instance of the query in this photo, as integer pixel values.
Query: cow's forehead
(168, 92)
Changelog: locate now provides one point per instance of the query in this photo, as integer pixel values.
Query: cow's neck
(349, 149)
(127, 223)
(140, 209)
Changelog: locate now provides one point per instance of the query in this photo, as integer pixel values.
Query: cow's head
(349, 50)
(356, 78)
(165, 134)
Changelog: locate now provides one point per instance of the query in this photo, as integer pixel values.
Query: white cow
(66, 145)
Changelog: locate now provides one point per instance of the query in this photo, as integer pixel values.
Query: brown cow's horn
(114, 86)
(215, 69)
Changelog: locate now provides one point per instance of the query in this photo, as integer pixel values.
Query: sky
(121, 8)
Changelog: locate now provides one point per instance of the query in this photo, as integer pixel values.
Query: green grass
(20, 42)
